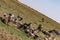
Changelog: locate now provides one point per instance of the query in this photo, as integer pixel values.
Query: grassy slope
(29, 15)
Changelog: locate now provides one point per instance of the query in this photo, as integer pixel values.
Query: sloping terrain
(29, 15)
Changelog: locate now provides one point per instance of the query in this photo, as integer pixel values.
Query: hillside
(29, 15)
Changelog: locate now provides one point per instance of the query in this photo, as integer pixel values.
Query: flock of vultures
(6, 18)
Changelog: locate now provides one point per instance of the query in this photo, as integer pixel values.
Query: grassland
(29, 15)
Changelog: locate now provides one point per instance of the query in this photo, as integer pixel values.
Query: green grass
(29, 15)
(14, 30)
